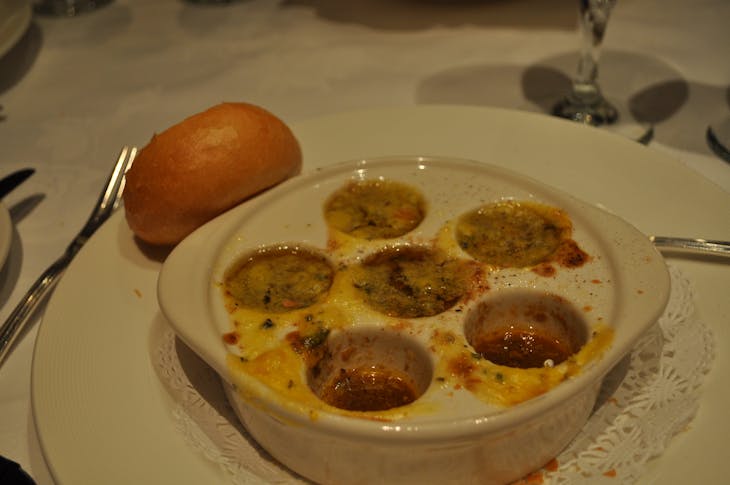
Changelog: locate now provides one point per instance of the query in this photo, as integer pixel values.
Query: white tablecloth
(74, 90)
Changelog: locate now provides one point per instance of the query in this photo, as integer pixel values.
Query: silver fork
(109, 200)
(692, 246)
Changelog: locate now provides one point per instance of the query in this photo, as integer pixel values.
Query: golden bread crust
(203, 166)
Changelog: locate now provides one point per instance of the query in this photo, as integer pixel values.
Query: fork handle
(22, 313)
(692, 246)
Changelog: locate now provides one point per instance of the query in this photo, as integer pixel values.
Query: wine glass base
(598, 113)
(624, 123)
(718, 138)
(614, 116)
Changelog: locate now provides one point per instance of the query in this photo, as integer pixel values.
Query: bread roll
(203, 166)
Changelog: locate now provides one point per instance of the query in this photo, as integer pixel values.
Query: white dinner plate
(15, 18)
(103, 416)
(6, 234)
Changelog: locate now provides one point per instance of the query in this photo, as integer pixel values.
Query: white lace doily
(646, 400)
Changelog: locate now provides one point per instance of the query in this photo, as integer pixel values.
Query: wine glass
(585, 103)
(66, 8)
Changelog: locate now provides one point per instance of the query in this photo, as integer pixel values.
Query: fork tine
(112, 185)
(109, 198)
(127, 165)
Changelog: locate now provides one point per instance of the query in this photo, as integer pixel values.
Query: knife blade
(13, 180)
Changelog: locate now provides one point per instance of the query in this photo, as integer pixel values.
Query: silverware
(692, 246)
(11, 181)
(109, 200)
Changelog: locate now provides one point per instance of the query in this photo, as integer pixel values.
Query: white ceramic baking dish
(448, 434)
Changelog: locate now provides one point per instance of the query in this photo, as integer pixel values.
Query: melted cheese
(277, 346)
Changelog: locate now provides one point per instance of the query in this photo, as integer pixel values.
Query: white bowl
(454, 431)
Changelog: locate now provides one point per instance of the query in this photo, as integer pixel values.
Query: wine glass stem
(594, 15)
(585, 103)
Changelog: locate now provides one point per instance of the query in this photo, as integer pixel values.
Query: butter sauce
(287, 304)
